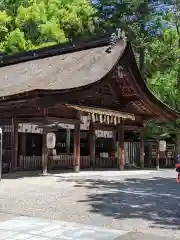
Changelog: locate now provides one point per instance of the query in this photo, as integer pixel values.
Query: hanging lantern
(51, 140)
(162, 146)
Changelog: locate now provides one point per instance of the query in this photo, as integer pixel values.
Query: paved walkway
(27, 228)
(131, 202)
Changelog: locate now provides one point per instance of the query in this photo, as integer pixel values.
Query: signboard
(103, 134)
(29, 128)
(162, 146)
(51, 140)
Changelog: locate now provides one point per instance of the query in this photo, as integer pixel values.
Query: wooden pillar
(77, 147)
(68, 135)
(157, 156)
(92, 145)
(149, 155)
(121, 146)
(114, 147)
(142, 150)
(44, 153)
(14, 144)
(166, 158)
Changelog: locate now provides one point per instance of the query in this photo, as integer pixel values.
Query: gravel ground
(146, 201)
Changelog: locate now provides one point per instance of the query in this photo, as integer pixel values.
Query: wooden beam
(92, 145)
(142, 150)
(122, 99)
(44, 154)
(121, 145)
(14, 144)
(77, 147)
(17, 103)
(114, 146)
(77, 139)
(47, 120)
(157, 156)
(5, 121)
(51, 100)
(131, 128)
(100, 126)
(110, 127)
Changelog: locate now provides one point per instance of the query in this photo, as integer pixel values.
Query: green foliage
(163, 53)
(163, 64)
(163, 60)
(138, 18)
(5, 22)
(164, 86)
(35, 23)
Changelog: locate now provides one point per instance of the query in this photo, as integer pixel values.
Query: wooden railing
(85, 162)
(109, 162)
(30, 162)
(57, 162)
(132, 153)
(64, 161)
(166, 160)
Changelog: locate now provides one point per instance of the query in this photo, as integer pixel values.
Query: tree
(163, 53)
(38, 23)
(5, 22)
(139, 19)
(173, 17)
(164, 63)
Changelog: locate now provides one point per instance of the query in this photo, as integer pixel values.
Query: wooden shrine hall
(98, 78)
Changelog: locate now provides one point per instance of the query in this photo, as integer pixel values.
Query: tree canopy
(35, 23)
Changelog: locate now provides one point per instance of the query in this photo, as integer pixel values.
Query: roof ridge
(58, 49)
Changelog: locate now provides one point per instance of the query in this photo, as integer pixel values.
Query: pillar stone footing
(76, 169)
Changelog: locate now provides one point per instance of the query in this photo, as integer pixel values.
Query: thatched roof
(68, 68)
(62, 71)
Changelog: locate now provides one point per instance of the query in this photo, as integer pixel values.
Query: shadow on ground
(150, 198)
(38, 173)
(21, 174)
(156, 200)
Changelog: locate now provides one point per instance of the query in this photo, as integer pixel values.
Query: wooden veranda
(98, 78)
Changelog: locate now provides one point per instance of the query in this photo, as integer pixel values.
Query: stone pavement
(142, 236)
(28, 228)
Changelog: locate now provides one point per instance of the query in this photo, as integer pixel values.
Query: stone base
(121, 168)
(76, 169)
(157, 167)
